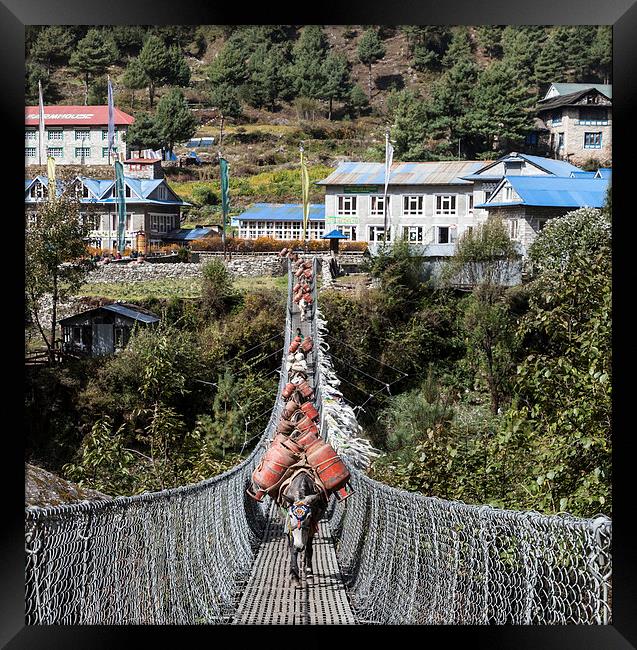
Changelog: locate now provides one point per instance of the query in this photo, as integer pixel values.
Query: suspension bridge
(209, 554)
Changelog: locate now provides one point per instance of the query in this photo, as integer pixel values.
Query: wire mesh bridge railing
(182, 556)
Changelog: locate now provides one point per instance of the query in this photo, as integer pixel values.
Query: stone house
(576, 121)
(152, 208)
(75, 135)
(526, 203)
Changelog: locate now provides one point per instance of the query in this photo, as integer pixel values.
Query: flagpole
(223, 202)
(305, 195)
(41, 130)
(387, 173)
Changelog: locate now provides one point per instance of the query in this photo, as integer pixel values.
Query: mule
(306, 507)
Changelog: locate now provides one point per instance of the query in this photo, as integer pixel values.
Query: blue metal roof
(604, 172)
(555, 191)
(335, 234)
(188, 234)
(554, 167)
(447, 172)
(583, 174)
(282, 212)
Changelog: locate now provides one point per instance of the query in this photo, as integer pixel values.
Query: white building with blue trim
(152, 208)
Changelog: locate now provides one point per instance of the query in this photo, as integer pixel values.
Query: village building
(103, 330)
(152, 208)
(526, 203)
(75, 135)
(280, 221)
(488, 177)
(576, 122)
(427, 202)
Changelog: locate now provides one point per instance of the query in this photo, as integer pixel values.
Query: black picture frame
(622, 15)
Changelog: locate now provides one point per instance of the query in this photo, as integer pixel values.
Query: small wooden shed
(103, 330)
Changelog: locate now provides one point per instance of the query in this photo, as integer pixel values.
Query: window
(105, 151)
(347, 205)
(560, 141)
(412, 234)
(77, 334)
(348, 230)
(30, 152)
(31, 135)
(377, 233)
(444, 235)
(511, 168)
(55, 134)
(508, 193)
(105, 135)
(38, 191)
(555, 117)
(413, 204)
(162, 193)
(56, 152)
(487, 195)
(446, 204)
(165, 223)
(531, 138)
(82, 134)
(593, 116)
(377, 205)
(469, 202)
(82, 152)
(593, 140)
(513, 228)
(127, 192)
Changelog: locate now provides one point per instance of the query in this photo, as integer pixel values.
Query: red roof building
(75, 135)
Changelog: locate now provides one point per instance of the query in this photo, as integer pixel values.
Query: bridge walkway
(270, 597)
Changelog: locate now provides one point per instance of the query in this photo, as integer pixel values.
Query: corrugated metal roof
(555, 167)
(403, 173)
(75, 115)
(553, 191)
(583, 174)
(132, 313)
(335, 234)
(282, 212)
(122, 310)
(604, 172)
(188, 234)
(567, 89)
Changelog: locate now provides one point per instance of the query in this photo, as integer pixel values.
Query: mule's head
(300, 519)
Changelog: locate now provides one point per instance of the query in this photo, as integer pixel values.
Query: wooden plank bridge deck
(270, 598)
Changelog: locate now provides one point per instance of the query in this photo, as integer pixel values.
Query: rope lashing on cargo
(182, 556)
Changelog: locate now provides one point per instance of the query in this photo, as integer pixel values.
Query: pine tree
(51, 45)
(135, 78)
(550, 65)
(143, 133)
(521, 47)
(490, 39)
(175, 123)
(269, 78)
(225, 98)
(459, 49)
(162, 66)
(500, 117)
(370, 50)
(92, 56)
(410, 125)
(602, 54)
(338, 84)
(427, 44)
(309, 54)
(358, 99)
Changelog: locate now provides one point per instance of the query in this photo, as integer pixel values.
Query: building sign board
(341, 220)
(360, 189)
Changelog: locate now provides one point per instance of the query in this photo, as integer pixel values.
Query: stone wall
(240, 266)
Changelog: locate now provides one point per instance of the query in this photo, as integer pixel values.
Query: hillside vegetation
(261, 91)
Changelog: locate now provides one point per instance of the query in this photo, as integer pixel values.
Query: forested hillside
(446, 91)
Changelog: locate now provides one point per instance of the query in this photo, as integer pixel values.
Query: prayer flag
(50, 170)
(121, 204)
(389, 157)
(305, 188)
(42, 147)
(111, 120)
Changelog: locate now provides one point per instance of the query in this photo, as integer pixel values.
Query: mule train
(299, 470)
